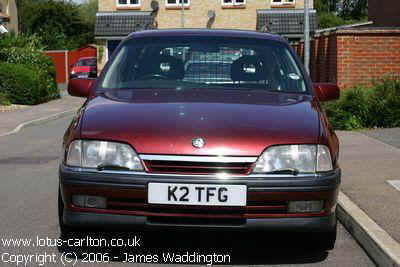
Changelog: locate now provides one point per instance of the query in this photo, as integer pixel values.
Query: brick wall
(350, 57)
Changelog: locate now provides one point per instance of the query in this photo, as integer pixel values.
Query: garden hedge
(375, 106)
(23, 56)
(21, 84)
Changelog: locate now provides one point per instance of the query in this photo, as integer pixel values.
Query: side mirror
(80, 87)
(326, 91)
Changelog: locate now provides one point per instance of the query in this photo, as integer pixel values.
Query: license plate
(197, 194)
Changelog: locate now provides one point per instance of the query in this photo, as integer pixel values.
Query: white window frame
(139, 4)
(282, 3)
(234, 3)
(177, 3)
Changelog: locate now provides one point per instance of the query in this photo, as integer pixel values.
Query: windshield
(204, 62)
(86, 62)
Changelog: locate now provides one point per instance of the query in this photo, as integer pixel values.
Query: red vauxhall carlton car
(201, 129)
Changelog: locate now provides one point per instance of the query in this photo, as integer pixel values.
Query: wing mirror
(80, 87)
(327, 91)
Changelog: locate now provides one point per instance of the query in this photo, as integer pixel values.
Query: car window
(200, 62)
(86, 62)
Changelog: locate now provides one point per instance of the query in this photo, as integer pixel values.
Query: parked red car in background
(86, 67)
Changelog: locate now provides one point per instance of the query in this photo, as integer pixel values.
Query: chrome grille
(197, 164)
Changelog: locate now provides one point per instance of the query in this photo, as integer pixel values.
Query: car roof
(207, 32)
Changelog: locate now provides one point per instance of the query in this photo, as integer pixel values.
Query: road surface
(28, 208)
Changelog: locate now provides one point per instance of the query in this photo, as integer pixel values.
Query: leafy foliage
(326, 6)
(327, 20)
(19, 83)
(11, 40)
(354, 9)
(360, 107)
(333, 13)
(60, 24)
(385, 103)
(4, 99)
(23, 55)
(88, 10)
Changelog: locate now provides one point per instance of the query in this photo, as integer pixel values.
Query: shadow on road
(242, 248)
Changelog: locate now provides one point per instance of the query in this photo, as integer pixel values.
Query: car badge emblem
(198, 142)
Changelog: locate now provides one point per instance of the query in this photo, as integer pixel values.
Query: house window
(175, 3)
(233, 2)
(128, 3)
(283, 2)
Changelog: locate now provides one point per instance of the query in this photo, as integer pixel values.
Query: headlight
(298, 158)
(73, 72)
(102, 155)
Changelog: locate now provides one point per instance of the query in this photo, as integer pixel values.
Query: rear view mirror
(80, 87)
(326, 91)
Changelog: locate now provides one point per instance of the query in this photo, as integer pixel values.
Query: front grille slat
(153, 166)
(192, 167)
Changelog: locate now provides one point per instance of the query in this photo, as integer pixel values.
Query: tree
(360, 10)
(326, 6)
(88, 10)
(354, 9)
(333, 13)
(60, 24)
(328, 20)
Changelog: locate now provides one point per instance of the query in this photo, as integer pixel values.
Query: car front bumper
(132, 222)
(124, 185)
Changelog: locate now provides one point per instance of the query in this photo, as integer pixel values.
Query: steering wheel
(153, 76)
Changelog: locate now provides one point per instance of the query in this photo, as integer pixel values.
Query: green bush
(367, 107)
(23, 85)
(38, 60)
(328, 20)
(4, 99)
(26, 41)
(27, 52)
(386, 103)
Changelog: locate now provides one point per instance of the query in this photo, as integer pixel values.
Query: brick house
(8, 16)
(117, 18)
(387, 14)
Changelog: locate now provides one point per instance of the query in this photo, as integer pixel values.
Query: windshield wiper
(111, 167)
(285, 171)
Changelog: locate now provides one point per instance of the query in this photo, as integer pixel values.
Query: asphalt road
(28, 209)
(390, 136)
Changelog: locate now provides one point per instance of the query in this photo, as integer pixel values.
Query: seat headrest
(171, 67)
(166, 65)
(249, 68)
